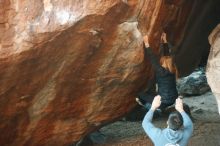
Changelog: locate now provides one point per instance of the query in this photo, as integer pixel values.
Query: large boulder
(69, 67)
(213, 66)
(194, 84)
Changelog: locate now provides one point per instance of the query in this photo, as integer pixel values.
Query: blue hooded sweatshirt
(167, 136)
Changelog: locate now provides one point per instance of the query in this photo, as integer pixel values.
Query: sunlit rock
(69, 67)
(213, 66)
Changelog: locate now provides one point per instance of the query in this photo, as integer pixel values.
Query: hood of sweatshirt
(173, 136)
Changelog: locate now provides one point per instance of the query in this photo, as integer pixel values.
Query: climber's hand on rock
(164, 37)
(146, 41)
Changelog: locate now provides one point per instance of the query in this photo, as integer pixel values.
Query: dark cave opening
(194, 49)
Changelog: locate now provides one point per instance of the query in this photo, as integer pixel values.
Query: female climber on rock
(165, 73)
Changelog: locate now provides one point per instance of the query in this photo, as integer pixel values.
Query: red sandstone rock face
(69, 67)
(213, 65)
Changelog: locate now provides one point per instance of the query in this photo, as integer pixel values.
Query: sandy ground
(206, 126)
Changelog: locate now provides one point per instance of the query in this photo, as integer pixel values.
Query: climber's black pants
(147, 98)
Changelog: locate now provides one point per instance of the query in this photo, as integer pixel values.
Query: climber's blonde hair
(167, 63)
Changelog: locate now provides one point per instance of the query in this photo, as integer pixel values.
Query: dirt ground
(205, 118)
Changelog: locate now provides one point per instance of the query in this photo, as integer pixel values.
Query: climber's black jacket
(165, 79)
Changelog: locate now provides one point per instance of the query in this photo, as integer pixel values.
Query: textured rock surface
(194, 84)
(68, 67)
(213, 66)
